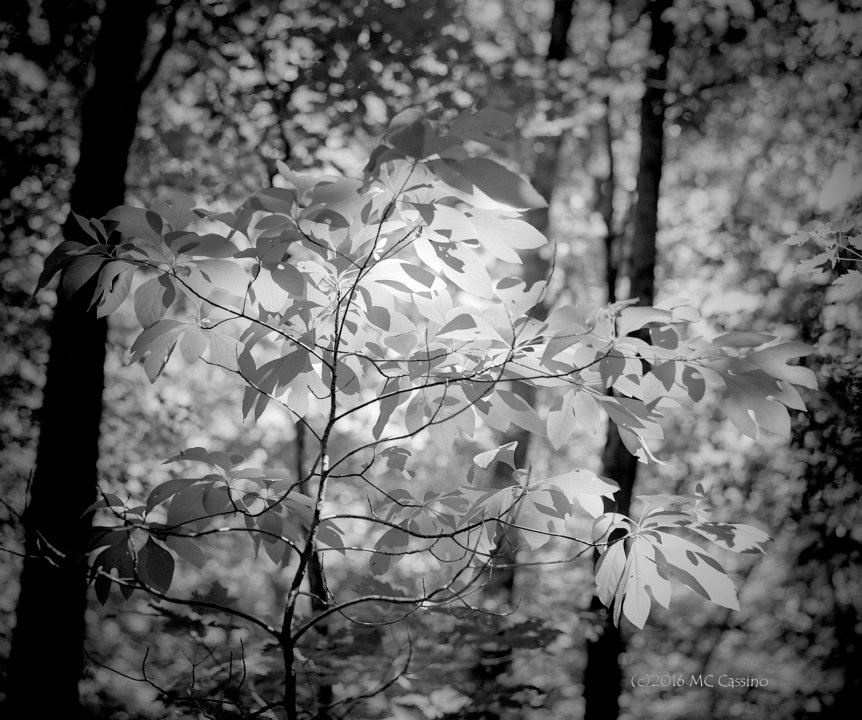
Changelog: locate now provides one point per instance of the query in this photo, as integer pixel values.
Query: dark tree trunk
(47, 650)
(603, 674)
(558, 46)
(495, 658)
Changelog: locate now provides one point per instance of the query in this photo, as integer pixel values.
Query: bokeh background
(761, 143)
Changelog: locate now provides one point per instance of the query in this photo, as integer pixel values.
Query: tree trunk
(317, 586)
(603, 674)
(495, 658)
(45, 664)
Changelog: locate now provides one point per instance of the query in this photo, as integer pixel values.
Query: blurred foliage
(762, 143)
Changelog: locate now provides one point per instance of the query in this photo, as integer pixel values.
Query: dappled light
(405, 361)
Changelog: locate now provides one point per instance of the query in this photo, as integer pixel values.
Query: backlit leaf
(504, 454)
(153, 298)
(498, 183)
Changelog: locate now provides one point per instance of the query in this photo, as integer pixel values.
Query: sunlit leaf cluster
(385, 301)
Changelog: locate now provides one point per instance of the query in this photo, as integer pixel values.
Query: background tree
(699, 108)
(499, 590)
(603, 675)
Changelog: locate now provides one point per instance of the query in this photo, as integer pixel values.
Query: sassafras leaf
(153, 298)
(498, 183)
(773, 360)
(155, 566)
(504, 454)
